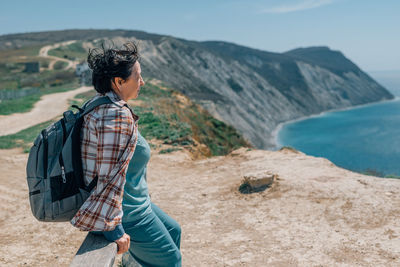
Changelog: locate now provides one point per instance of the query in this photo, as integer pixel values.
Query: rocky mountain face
(250, 89)
(254, 90)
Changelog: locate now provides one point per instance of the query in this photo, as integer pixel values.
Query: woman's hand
(123, 243)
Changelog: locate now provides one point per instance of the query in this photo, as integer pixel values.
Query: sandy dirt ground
(47, 108)
(315, 214)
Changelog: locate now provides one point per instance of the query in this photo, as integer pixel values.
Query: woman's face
(129, 88)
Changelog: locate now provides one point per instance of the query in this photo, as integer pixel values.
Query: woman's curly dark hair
(107, 63)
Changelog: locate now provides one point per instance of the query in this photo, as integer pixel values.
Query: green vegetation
(23, 104)
(218, 136)
(81, 98)
(26, 103)
(73, 51)
(372, 172)
(234, 85)
(59, 65)
(13, 77)
(289, 148)
(163, 127)
(165, 114)
(392, 176)
(169, 150)
(12, 55)
(45, 64)
(23, 138)
(169, 116)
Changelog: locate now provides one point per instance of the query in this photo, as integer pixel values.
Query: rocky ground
(315, 214)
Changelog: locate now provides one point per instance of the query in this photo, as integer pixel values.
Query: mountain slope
(250, 89)
(254, 90)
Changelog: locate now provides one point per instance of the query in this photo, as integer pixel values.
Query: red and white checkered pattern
(108, 140)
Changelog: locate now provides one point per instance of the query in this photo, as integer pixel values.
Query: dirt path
(44, 53)
(47, 108)
(316, 214)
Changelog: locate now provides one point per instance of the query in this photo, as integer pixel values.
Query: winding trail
(45, 50)
(47, 108)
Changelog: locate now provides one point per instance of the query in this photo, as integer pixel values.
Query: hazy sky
(366, 31)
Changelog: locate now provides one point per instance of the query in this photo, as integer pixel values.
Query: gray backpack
(54, 170)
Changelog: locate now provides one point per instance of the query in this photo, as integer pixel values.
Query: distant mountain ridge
(250, 89)
(334, 61)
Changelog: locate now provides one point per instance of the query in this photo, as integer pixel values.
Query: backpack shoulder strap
(92, 105)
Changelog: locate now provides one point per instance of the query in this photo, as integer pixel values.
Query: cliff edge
(314, 214)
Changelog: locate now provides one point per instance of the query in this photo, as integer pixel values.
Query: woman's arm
(115, 128)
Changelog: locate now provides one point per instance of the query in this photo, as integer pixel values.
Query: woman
(120, 207)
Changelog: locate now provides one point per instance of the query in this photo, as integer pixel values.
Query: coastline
(278, 128)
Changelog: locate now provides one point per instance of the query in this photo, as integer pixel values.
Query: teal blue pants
(155, 240)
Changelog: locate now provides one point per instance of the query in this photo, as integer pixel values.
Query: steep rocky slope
(254, 90)
(250, 89)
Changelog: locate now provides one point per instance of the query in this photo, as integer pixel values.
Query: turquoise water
(357, 139)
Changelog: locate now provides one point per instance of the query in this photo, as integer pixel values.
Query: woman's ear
(117, 82)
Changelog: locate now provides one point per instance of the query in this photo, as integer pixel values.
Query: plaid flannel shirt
(108, 140)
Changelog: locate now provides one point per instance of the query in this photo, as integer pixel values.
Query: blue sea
(358, 139)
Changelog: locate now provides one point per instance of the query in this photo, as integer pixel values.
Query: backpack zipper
(45, 151)
(64, 179)
(61, 161)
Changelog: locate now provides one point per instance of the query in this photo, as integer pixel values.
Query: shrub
(59, 65)
(169, 150)
(372, 172)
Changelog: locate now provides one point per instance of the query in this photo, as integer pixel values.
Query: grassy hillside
(72, 51)
(20, 90)
(168, 120)
(171, 121)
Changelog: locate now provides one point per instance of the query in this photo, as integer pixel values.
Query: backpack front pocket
(36, 196)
